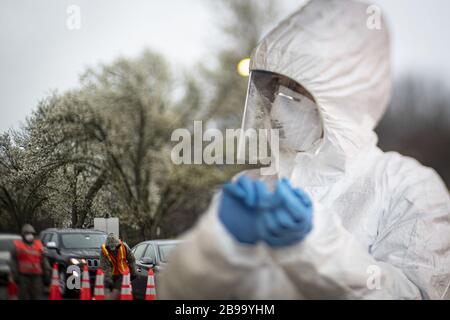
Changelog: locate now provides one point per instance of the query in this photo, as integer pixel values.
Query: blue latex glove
(290, 220)
(241, 206)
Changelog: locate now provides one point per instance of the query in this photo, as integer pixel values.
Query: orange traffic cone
(85, 293)
(99, 289)
(55, 290)
(150, 292)
(12, 289)
(125, 291)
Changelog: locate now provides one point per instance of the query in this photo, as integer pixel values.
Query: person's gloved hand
(240, 208)
(289, 220)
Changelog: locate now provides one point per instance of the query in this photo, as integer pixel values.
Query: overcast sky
(38, 52)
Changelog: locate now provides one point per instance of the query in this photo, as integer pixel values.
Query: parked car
(150, 255)
(6, 245)
(73, 247)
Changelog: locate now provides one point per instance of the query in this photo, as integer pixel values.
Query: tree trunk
(90, 196)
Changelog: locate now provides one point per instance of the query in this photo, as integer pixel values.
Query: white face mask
(298, 119)
(29, 237)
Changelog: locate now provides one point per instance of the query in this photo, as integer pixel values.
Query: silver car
(6, 245)
(153, 254)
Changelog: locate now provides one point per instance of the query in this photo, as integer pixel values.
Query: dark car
(71, 248)
(6, 245)
(150, 255)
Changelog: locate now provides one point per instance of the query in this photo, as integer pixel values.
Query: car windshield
(7, 244)
(165, 250)
(82, 240)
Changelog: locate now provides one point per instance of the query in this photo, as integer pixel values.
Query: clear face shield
(281, 110)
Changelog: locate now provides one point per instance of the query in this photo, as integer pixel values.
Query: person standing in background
(29, 265)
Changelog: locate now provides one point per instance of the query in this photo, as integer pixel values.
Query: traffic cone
(125, 290)
(12, 289)
(55, 290)
(85, 293)
(99, 289)
(150, 292)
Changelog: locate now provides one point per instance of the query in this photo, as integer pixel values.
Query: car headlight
(74, 261)
(83, 261)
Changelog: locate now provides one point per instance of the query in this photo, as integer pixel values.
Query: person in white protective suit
(381, 221)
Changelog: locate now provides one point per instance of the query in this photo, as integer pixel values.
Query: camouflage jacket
(107, 268)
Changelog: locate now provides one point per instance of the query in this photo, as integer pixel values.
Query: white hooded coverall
(381, 225)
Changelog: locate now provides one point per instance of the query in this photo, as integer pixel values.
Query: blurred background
(90, 92)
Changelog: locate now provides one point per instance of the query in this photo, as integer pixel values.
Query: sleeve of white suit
(409, 260)
(209, 264)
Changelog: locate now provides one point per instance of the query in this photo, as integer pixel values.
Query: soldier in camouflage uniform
(116, 259)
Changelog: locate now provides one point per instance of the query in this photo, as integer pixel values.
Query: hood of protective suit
(112, 241)
(328, 48)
